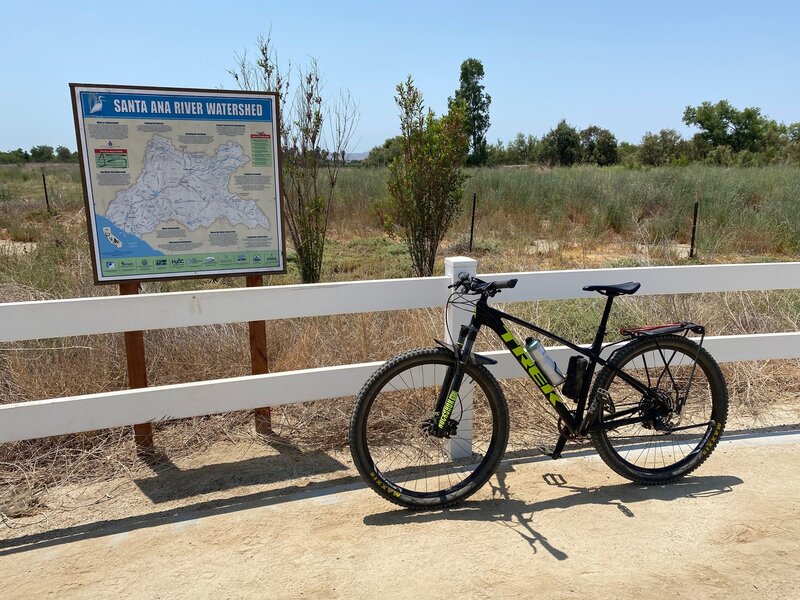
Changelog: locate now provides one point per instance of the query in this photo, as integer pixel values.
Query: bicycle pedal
(547, 450)
(607, 402)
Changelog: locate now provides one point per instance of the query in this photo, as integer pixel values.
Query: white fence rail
(61, 318)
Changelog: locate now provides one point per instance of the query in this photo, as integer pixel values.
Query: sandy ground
(541, 529)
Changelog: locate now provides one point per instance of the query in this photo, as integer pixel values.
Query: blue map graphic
(131, 245)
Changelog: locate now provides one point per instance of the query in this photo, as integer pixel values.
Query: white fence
(61, 318)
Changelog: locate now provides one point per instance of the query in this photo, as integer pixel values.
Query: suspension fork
(448, 395)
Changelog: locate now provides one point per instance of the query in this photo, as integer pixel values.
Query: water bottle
(546, 364)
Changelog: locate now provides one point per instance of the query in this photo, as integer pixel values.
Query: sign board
(179, 182)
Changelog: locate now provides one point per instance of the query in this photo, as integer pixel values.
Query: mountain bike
(430, 426)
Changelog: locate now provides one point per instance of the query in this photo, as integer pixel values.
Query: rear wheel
(684, 412)
(392, 441)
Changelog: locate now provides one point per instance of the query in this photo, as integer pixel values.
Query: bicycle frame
(493, 318)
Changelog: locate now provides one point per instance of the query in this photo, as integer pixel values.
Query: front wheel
(682, 415)
(394, 445)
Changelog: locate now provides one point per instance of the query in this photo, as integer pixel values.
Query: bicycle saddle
(617, 289)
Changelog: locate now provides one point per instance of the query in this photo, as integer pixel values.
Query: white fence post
(460, 446)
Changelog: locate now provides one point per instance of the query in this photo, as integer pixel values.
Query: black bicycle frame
(488, 316)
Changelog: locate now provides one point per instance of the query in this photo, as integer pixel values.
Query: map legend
(261, 149)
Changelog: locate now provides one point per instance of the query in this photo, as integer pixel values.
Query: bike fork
(448, 395)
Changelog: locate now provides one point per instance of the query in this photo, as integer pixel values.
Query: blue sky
(629, 66)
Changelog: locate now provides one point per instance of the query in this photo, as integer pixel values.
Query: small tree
(661, 149)
(476, 104)
(598, 146)
(562, 145)
(315, 135)
(17, 156)
(522, 149)
(63, 154)
(381, 156)
(426, 180)
(42, 154)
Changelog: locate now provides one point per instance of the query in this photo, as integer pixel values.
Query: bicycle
(430, 426)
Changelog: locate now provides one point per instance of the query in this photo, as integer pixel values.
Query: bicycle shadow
(518, 515)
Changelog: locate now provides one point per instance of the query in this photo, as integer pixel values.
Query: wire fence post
(460, 445)
(472, 225)
(694, 228)
(46, 199)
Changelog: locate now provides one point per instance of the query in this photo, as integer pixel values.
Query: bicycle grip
(502, 285)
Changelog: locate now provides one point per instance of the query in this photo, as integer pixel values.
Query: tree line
(38, 154)
(726, 136)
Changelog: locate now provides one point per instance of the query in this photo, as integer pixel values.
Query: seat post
(601, 330)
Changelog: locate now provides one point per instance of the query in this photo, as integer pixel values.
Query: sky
(631, 67)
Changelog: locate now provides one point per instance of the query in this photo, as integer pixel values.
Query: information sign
(178, 182)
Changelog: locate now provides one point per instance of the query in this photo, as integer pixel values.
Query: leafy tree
(598, 146)
(522, 150)
(42, 154)
(380, 156)
(562, 145)
(63, 154)
(496, 154)
(721, 124)
(793, 133)
(315, 135)
(426, 180)
(793, 142)
(662, 148)
(476, 103)
(627, 154)
(17, 156)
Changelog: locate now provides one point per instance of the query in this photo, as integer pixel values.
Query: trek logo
(533, 371)
(448, 408)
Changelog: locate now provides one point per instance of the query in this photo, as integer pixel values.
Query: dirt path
(543, 529)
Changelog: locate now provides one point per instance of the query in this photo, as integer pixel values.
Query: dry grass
(510, 238)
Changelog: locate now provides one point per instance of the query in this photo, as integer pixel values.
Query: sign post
(258, 358)
(137, 368)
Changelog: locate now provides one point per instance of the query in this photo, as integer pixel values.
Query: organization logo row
(193, 262)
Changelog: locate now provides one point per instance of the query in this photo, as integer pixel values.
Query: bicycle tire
(635, 451)
(399, 459)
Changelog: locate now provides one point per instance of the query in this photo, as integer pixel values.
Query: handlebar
(474, 285)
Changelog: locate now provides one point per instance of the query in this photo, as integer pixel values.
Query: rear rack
(650, 330)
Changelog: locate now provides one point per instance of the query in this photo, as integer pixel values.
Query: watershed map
(191, 189)
(180, 184)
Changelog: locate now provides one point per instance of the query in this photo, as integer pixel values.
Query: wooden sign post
(258, 358)
(137, 368)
